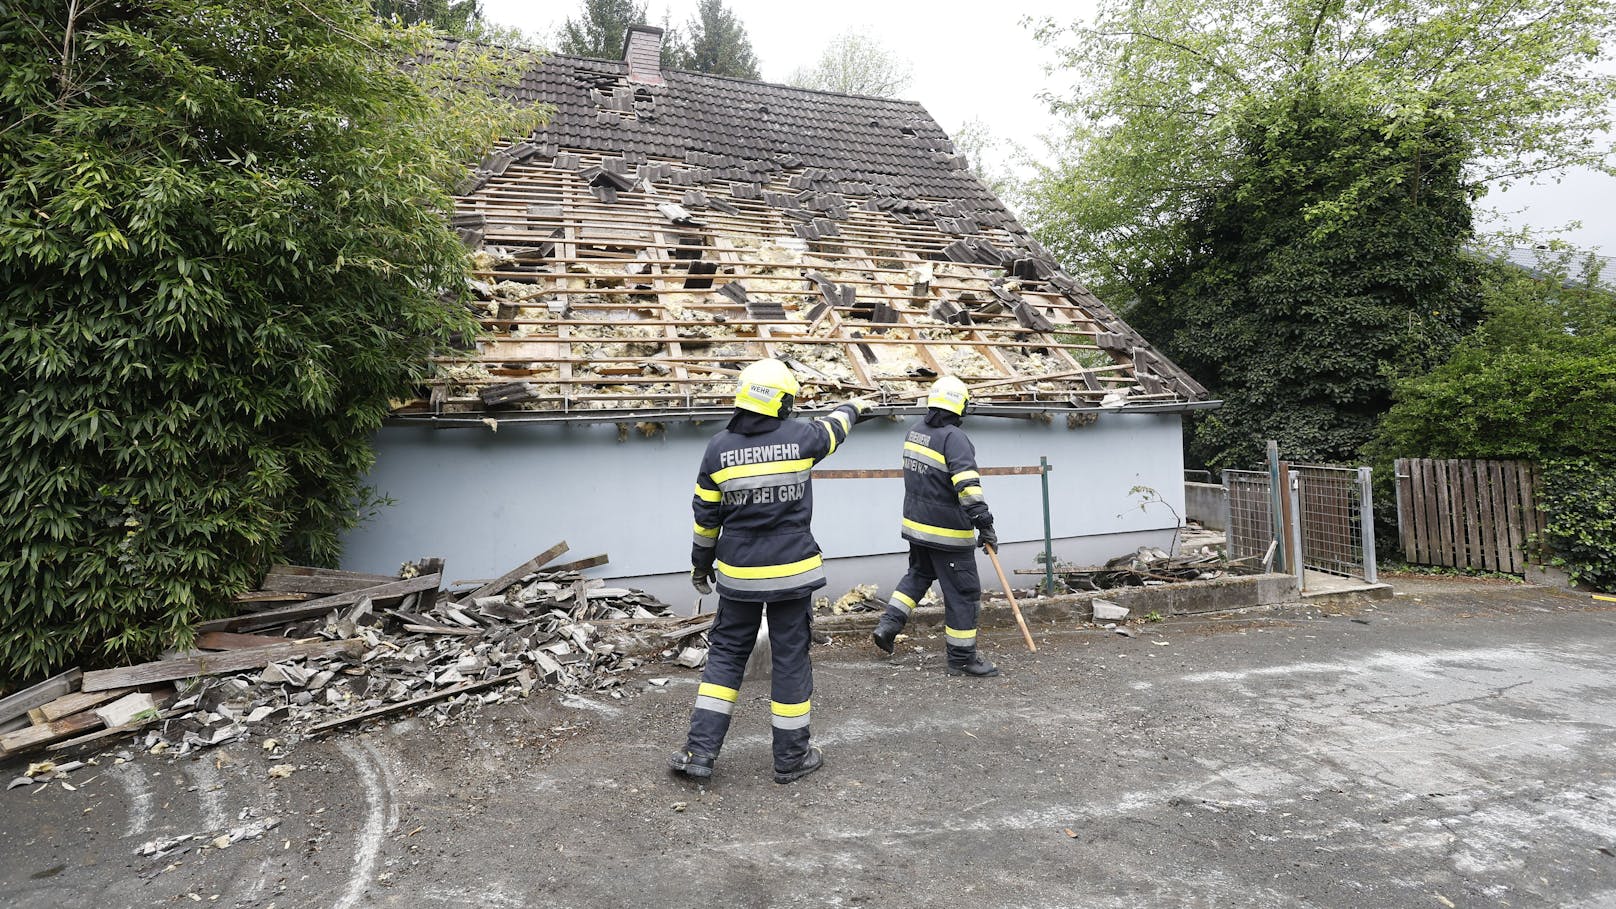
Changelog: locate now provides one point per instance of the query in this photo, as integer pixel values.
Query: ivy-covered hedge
(223, 249)
(1579, 499)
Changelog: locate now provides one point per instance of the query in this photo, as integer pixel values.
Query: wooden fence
(1469, 514)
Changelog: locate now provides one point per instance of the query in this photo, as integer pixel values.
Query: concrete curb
(1223, 594)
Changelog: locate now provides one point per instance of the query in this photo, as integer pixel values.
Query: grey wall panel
(486, 501)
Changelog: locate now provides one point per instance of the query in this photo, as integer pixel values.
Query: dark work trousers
(955, 571)
(729, 643)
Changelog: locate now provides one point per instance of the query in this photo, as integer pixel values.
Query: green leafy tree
(1282, 172)
(1303, 334)
(599, 30)
(456, 17)
(855, 64)
(1535, 381)
(715, 42)
(1164, 92)
(223, 250)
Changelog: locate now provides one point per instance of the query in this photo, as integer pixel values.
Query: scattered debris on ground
(1149, 567)
(317, 649)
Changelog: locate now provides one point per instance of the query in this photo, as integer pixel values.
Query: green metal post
(1049, 553)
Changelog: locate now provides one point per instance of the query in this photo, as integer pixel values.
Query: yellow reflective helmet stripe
(964, 475)
(780, 709)
(762, 469)
(771, 571)
(718, 691)
(957, 635)
(706, 531)
(939, 531)
(708, 495)
(925, 452)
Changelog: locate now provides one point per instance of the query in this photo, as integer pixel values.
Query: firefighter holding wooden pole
(945, 517)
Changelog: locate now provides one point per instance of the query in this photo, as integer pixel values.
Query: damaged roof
(666, 228)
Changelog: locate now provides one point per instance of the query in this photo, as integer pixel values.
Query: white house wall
(486, 501)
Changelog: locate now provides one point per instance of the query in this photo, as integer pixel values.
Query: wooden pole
(1014, 606)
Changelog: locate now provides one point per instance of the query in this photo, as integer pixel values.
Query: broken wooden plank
(69, 704)
(429, 597)
(314, 608)
(225, 640)
(302, 579)
(35, 736)
(386, 709)
(509, 577)
(213, 663)
(163, 700)
(269, 596)
(580, 564)
(19, 703)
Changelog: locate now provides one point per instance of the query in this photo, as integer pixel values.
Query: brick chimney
(642, 51)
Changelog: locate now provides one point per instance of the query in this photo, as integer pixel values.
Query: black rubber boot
(691, 764)
(885, 634)
(810, 762)
(969, 662)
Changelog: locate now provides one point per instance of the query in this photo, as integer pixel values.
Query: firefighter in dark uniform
(753, 505)
(945, 517)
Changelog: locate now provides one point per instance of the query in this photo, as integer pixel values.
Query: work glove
(985, 538)
(701, 579)
(865, 408)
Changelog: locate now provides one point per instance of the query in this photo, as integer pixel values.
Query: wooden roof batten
(621, 274)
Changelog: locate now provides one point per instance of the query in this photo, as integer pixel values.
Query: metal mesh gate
(1250, 523)
(1330, 516)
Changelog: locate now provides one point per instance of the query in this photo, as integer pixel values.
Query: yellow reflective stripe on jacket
(831, 433)
(958, 635)
(918, 527)
(708, 532)
(971, 491)
(789, 709)
(708, 495)
(925, 452)
(964, 475)
(771, 571)
(761, 469)
(718, 691)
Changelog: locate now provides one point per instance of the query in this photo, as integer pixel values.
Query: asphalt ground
(1448, 747)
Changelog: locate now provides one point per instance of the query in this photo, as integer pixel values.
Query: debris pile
(318, 649)
(1148, 567)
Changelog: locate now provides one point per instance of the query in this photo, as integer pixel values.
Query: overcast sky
(985, 65)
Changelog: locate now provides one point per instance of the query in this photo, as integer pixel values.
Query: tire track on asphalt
(381, 817)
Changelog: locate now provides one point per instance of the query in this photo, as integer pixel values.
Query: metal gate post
(1049, 549)
(1276, 508)
(1366, 522)
(1295, 554)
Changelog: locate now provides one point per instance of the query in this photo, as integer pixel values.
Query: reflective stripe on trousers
(955, 572)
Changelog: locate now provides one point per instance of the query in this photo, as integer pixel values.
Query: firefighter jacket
(942, 492)
(754, 504)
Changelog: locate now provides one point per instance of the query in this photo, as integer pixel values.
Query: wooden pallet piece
(19, 703)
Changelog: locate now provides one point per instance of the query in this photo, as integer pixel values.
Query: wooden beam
(896, 473)
(580, 564)
(301, 579)
(386, 709)
(213, 663)
(69, 704)
(19, 703)
(225, 640)
(319, 607)
(36, 736)
(509, 577)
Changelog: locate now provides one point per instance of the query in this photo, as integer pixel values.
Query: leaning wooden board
(19, 703)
